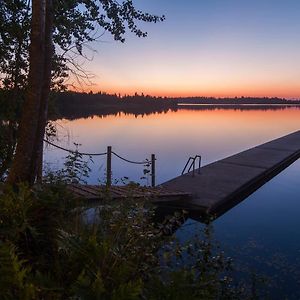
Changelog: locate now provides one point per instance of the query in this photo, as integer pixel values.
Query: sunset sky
(206, 48)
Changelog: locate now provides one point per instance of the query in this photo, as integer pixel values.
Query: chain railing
(109, 154)
(74, 151)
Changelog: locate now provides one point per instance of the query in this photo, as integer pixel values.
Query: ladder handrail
(190, 158)
(192, 165)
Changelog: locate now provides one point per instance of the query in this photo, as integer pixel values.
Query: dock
(224, 183)
(209, 190)
(121, 193)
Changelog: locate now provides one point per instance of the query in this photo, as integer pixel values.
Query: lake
(262, 232)
(172, 136)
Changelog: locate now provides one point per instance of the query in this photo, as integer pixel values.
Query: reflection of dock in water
(222, 184)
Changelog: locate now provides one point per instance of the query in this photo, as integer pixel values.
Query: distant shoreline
(73, 105)
(238, 104)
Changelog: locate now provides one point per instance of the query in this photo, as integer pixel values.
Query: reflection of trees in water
(75, 113)
(84, 111)
(72, 105)
(237, 107)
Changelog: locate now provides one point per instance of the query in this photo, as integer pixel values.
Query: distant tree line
(72, 105)
(236, 100)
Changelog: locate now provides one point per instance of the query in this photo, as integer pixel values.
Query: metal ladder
(191, 163)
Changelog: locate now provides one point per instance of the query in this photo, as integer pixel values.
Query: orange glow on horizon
(241, 48)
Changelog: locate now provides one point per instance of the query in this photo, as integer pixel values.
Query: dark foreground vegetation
(52, 247)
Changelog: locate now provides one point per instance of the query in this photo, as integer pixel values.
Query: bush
(49, 251)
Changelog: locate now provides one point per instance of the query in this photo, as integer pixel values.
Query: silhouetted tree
(69, 25)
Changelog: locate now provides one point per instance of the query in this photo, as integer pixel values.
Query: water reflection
(85, 111)
(261, 232)
(173, 136)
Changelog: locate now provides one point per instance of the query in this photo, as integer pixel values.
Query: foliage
(14, 43)
(9, 112)
(76, 169)
(51, 55)
(76, 23)
(29, 226)
(13, 283)
(7, 145)
(50, 250)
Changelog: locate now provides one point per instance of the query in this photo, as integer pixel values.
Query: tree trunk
(21, 170)
(37, 164)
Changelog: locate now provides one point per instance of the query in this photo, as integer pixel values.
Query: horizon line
(121, 95)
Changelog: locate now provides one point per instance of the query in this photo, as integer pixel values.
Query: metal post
(108, 167)
(199, 171)
(153, 170)
(194, 161)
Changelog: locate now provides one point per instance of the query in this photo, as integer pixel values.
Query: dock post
(108, 167)
(153, 170)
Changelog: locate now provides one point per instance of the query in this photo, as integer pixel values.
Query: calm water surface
(173, 137)
(262, 232)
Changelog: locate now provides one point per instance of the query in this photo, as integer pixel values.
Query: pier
(209, 190)
(219, 186)
(131, 191)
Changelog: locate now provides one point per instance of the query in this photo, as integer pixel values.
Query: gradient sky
(206, 48)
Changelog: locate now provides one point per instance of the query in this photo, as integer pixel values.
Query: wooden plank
(122, 192)
(79, 192)
(87, 189)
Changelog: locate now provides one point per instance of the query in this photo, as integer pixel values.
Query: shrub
(49, 251)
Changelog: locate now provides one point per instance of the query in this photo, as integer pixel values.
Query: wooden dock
(216, 188)
(223, 184)
(102, 192)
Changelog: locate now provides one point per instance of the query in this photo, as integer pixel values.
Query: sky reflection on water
(262, 232)
(172, 136)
